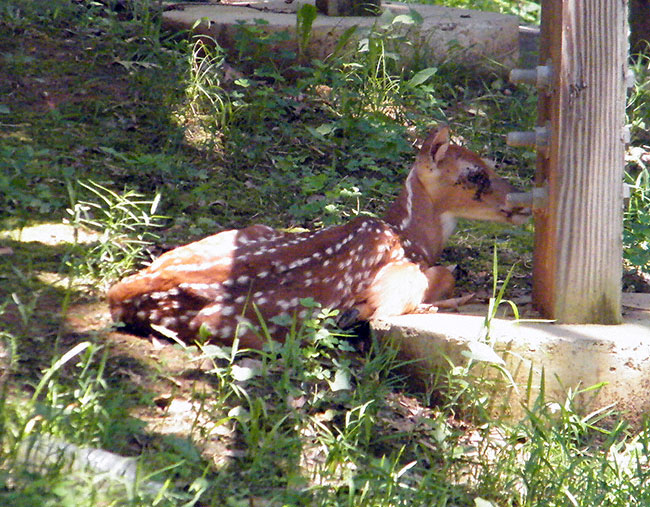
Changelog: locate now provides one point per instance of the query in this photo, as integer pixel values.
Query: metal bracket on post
(538, 138)
(541, 77)
(630, 79)
(626, 135)
(627, 195)
(536, 199)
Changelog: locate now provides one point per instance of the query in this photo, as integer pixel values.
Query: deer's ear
(436, 144)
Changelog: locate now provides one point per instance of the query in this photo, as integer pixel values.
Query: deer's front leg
(441, 287)
(397, 288)
(402, 287)
(440, 284)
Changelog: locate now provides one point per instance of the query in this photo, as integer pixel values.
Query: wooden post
(578, 247)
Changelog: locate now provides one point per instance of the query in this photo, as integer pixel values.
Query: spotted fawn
(370, 267)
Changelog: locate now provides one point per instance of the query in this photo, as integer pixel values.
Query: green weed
(206, 98)
(124, 223)
(636, 229)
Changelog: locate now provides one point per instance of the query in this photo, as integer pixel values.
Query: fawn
(371, 267)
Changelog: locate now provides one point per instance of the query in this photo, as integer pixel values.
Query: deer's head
(463, 184)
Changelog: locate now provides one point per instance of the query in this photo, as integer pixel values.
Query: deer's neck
(422, 223)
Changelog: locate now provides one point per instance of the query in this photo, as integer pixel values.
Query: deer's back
(223, 281)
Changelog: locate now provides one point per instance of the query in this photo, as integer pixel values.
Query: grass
(111, 127)
(635, 239)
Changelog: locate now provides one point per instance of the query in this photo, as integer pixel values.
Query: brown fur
(221, 284)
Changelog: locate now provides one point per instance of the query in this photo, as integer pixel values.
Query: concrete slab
(474, 38)
(561, 357)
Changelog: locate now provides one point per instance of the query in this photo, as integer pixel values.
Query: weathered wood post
(581, 141)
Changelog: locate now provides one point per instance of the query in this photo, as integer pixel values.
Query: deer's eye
(477, 179)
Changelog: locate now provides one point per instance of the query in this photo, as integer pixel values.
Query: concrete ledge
(473, 38)
(570, 356)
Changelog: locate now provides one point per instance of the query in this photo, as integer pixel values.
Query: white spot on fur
(409, 201)
(297, 263)
(169, 322)
(279, 267)
(448, 223)
(243, 320)
(397, 254)
(211, 310)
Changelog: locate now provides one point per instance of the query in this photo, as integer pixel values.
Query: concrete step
(565, 356)
(484, 40)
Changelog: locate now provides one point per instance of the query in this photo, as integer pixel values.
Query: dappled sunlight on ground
(51, 234)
